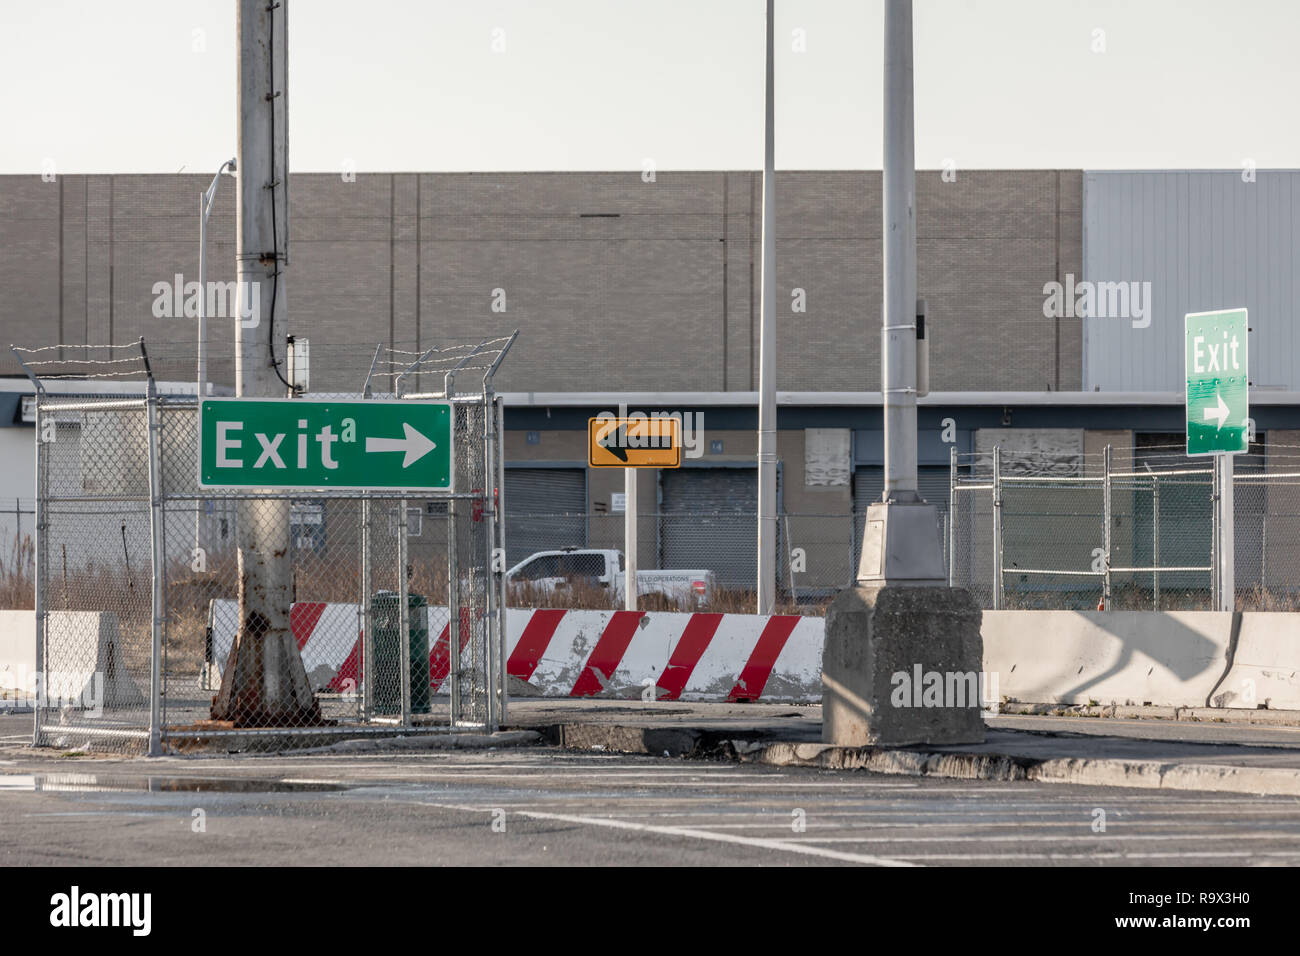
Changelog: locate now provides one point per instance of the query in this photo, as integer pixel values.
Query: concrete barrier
(1170, 658)
(665, 656)
(1167, 658)
(17, 653)
(564, 653)
(1265, 668)
(90, 670)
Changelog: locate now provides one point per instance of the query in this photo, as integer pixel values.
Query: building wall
(615, 284)
(1204, 240)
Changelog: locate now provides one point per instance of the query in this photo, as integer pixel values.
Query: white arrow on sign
(414, 444)
(1221, 413)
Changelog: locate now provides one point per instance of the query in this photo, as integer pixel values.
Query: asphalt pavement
(542, 805)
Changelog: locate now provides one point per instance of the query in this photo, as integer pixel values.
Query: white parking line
(1208, 855)
(758, 843)
(1112, 834)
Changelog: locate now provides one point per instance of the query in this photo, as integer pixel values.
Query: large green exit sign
(1218, 405)
(301, 443)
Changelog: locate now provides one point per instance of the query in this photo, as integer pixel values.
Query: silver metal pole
(1106, 519)
(898, 335)
(1215, 476)
(489, 592)
(366, 690)
(203, 341)
(206, 199)
(453, 610)
(156, 531)
(502, 614)
(42, 567)
(203, 296)
(1226, 533)
(997, 527)
(1155, 540)
(404, 614)
(631, 543)
(903, 540)
(767, 453)
(952, 516)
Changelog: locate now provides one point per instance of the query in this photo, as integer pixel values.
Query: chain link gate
(138, 571)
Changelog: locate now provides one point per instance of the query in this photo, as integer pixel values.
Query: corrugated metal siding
(1204, 240)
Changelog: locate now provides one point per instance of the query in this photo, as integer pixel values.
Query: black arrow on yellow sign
(634, 443)
(614, 441)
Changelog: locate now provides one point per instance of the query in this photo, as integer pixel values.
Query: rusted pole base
(265, 683)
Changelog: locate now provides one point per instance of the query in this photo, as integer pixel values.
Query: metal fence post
(157, 529)
(997, 527)
(1214, 537)
(38, 538)
(1105, 510)
(502, 679)
(453, 587)
(404, 614)
(367, 689)
(489, 597)
(952, 516)
(1155, 540)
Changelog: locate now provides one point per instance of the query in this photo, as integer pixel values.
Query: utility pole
(767, 455)
(902, 608)
(901, 542)
(264, 683)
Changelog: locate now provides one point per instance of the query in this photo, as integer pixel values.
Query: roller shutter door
(869, 483)
(708, 520)
(546, 508)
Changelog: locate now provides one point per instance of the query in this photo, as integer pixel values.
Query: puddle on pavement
(111, 783)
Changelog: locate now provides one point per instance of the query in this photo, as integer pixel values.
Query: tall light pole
(767, 455)
(206, 199)
(901, 609)
(901, 543)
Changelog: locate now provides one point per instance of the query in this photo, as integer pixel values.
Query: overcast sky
(394, 85)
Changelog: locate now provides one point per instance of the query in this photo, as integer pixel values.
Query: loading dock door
(708, 520)
(546, 508)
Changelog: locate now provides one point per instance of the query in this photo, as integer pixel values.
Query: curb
(1089, 772)
(1208, 715)
(699, 744)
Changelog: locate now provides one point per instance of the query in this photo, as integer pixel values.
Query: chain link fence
(1126, 533)
(817, 556)
(171, 616)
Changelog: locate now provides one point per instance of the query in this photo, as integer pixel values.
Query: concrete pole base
(901, 666)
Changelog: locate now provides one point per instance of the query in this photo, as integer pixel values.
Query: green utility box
(386, 679)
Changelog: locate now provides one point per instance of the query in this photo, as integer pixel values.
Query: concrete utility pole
(264, 683)
(901, 542)
(767, 456)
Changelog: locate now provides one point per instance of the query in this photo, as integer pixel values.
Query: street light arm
(211, 192)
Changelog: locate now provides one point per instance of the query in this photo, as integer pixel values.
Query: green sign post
(301, 443)
(1218, 405)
